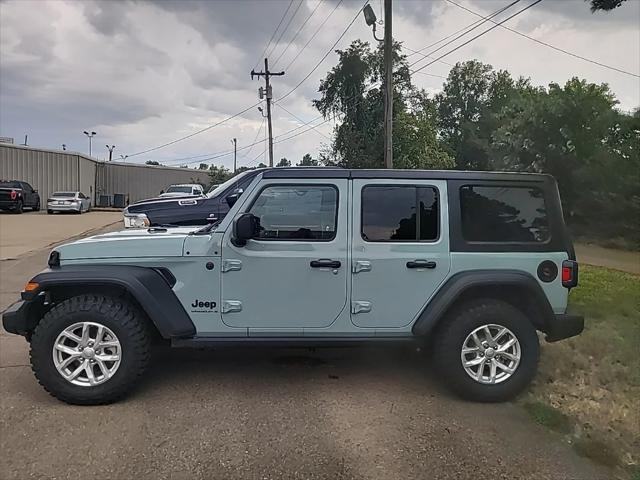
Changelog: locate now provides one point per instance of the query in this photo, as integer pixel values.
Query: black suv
(16, 195)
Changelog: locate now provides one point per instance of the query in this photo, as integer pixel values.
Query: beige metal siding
(143, 181)
(50, 170)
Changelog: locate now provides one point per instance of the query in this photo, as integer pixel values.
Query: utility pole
(269, 94)
(370, 19)
(110, 148)
(234, 141)
(388, 78)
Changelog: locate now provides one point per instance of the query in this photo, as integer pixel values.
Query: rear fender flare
(499, 281)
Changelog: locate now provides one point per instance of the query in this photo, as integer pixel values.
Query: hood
(177, 194)
(159, 203)
(131, 243)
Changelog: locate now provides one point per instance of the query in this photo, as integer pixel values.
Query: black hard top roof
(334, 172)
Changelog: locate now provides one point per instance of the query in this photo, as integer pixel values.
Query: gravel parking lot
(264, 414)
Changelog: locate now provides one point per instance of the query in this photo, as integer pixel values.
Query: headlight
(136, 220)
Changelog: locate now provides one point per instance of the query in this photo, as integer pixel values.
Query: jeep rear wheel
(487, 351)
(90, 349)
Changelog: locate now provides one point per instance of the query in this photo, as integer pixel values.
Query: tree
(352, 94)
(152, 162)
(261, 165)
(203, 166)
(219, 175)
(308, 161)
(283, 163)
(604, 5)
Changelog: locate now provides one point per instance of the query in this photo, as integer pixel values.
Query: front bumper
(565, 325)
(22, 317)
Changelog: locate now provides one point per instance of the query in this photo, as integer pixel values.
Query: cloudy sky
(143, 73)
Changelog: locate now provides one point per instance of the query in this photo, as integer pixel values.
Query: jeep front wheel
(487, 351)
(90, 349)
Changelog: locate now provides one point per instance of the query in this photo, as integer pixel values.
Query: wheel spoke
(68, 350)
(474, 362)
(492, 371)
(487, 334)
(65, 363)
(77, 371)
(72, 336)
(510, 356)
(480, 373)
(107, 358)
(88, 368)
(109, 343)
(103, 368)
(85, 334)
(476, 340)
(499, 334)
(510, 343)
(466, 350)
(503, 367)
(99, 335)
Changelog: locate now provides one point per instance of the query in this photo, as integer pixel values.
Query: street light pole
(234, 141)
(110, 148)
(90, 136)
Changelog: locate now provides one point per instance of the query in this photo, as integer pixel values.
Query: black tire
(122, 318)
(50, 212)
(451, 335)
(37, 206)
(19, 207)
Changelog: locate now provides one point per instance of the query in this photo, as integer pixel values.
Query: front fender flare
(146, 285)
(462, 282)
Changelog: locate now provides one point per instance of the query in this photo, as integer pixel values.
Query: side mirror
(245, 227)
(233, 197)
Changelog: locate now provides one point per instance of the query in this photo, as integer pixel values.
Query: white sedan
(68, 202)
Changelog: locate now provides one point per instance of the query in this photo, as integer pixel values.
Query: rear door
(400, 249)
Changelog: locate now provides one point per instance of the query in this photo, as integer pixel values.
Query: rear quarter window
(503, 214)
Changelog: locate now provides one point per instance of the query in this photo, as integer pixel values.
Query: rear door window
(503, 214)
(389, 213)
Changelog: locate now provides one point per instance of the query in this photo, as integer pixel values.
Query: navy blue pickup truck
(16, 195)
(188, 210)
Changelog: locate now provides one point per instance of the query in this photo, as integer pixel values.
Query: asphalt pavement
(268, 414)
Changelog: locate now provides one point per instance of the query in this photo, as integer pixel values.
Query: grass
(588, 386)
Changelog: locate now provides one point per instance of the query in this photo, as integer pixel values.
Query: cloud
(143, 73)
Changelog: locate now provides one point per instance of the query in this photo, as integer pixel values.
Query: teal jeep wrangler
(472, 264)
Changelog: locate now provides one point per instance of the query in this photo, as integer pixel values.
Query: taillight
(13, 194)
(569, 273)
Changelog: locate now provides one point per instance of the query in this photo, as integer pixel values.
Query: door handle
(421, 264)
(325, 263)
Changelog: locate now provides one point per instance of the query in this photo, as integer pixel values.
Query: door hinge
(360, 307)
(231, 265)
(361, 266)
(230, 306)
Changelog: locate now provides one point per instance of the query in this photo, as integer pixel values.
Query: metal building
(54, 170)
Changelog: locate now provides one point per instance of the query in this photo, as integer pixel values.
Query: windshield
(223, 186)
(9, 185)
(176, 189)
(64, 194)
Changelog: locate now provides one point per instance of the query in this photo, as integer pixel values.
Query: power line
(431, 75)
(413, 52)
(299, 119)
(297, 33)
(575, 55)
(275, 44)
(477, 36)
(255, 140)
(313, 36)
(173, 142)
(273, 34)
(497, 12)
(326, 54)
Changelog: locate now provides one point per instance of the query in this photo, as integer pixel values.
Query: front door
(294, 274)
(400, 249)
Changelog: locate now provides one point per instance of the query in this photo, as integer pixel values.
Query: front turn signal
(31, 287)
